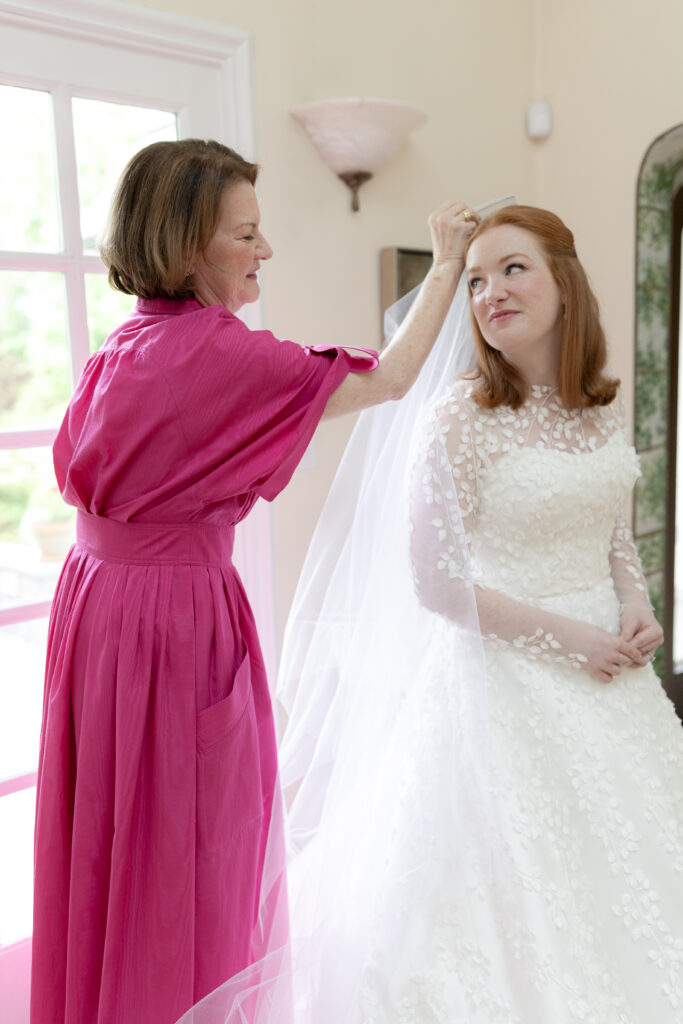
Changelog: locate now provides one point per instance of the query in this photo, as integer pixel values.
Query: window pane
(107, 136)
(34, 356)
(29, 219)
(17, 813)
(22, 655)
(106, 308)
(36, 527)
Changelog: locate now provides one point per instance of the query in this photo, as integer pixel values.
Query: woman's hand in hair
(451, 224)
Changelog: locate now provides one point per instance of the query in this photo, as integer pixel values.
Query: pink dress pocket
(229, 792)
(216, 721)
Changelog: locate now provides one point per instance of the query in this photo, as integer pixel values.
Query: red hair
(582, 381)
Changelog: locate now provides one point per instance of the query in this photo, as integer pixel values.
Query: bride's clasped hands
(640, 629)
(603, 654)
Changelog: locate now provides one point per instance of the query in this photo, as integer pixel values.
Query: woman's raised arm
(400, 363)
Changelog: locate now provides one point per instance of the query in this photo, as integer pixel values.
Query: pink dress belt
(147, 543)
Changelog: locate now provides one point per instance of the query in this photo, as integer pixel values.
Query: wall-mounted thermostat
(539, 120)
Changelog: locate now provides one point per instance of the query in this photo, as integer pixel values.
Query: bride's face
(516, 300)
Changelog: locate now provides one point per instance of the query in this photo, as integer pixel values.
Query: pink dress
(158, 762)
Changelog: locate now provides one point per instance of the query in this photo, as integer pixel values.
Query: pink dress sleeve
(249, 403)
(178, 414)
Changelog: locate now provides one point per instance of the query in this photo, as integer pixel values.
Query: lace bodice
(526, 505)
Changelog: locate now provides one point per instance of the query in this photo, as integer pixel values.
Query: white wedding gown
(580, 917)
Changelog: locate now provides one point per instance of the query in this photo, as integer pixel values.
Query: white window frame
(130, 27)
(226, 51)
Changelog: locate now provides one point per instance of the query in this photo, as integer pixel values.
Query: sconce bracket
(354, 180)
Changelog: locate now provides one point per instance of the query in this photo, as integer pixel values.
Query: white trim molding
(118, 23)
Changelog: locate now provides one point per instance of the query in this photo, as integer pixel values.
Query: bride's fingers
(623, 659)
(651, 636)
(630, 650)
(648, 636)
(645, 658)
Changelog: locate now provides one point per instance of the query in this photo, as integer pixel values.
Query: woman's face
(516, 301)
(226, 274)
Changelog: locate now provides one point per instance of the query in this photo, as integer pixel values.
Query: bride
(483, 772)
(586, 753)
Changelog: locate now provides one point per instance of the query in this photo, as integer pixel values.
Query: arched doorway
(658, 287)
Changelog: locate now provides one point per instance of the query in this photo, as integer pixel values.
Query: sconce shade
(355, 137)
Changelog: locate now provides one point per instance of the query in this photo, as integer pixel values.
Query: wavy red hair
(582, 381)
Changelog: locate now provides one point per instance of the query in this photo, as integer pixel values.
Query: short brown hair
(582, 381)
(165, 211)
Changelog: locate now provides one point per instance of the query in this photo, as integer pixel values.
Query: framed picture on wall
(401, 270)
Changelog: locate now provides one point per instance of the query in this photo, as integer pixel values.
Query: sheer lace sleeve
(453, 448)
(627, 572)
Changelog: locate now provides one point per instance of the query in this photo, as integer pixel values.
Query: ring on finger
(467, 215)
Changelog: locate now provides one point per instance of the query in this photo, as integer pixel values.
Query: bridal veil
(368, 836)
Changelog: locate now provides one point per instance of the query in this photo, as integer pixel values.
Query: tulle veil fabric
(368, 836)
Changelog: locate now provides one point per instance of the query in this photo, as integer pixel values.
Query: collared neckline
(167, 307)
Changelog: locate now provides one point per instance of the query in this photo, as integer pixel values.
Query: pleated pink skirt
(156, 777)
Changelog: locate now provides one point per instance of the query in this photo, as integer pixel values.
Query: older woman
(158, 765)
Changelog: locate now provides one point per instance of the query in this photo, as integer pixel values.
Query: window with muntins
(83, 86)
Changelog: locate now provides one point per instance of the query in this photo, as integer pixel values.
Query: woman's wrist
(446, 272)
(451, 262)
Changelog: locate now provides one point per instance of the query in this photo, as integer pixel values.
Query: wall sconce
(355, 137)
